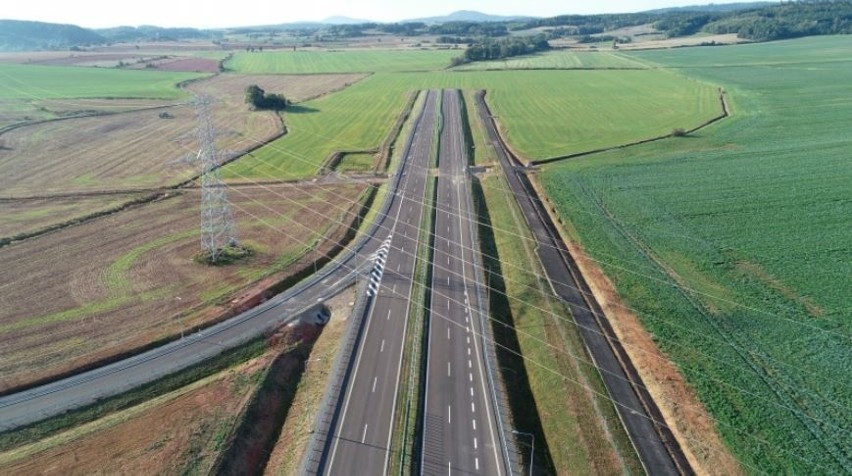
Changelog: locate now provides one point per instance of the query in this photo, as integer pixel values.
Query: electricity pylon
(218, 229)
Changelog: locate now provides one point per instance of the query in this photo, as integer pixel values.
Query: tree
(254, 95)
(258, 98)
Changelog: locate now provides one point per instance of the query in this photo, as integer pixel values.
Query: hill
(20, 35)
(341, 20)
(715, 7)
(466, 16)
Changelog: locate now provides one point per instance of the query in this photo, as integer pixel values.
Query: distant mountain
(340, 20)
(19, 35)
(465, 16)
(715, 8)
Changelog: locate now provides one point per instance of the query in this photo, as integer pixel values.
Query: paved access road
(359, 440)
(459, 428)
(654, 443)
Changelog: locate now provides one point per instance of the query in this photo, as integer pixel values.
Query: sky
(223, 13)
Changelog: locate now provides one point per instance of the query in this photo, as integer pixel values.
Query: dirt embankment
(252, 440)
(686, 417)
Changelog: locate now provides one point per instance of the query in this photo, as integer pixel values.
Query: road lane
(459, 424)
(360, 437)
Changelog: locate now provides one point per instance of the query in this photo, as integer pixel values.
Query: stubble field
(28, 216)
(146, 148)
(121, 281)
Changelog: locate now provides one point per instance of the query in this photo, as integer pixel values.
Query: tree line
(494, 49)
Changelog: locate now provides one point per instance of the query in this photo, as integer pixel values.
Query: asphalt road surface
(654, 443)
(459, 426)
(361, 432)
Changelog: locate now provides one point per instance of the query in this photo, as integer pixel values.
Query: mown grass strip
(554, 389)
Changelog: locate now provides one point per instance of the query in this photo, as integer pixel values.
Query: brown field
(190, 65)
(133, 60)
(15, 112)
(27, 216)
(119, 151)
(87, 59)
(167, 435)
(297, 88)
(79, 295)
(37, 57)
(141, 149)
(78, 107)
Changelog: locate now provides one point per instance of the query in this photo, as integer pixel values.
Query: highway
(654, 443)
(360, 435)
(459, 427)
(76, 391)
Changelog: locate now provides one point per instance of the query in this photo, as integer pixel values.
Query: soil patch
(289, 450)
(171, 434)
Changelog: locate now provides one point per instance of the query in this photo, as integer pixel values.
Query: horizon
(93, 14)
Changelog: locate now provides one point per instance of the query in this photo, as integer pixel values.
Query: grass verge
(296, 432)
(554, 391)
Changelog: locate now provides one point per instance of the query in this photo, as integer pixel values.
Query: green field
(350, 61)
(553, 118)
(64, 82)
(558, 60)
(733, 246)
